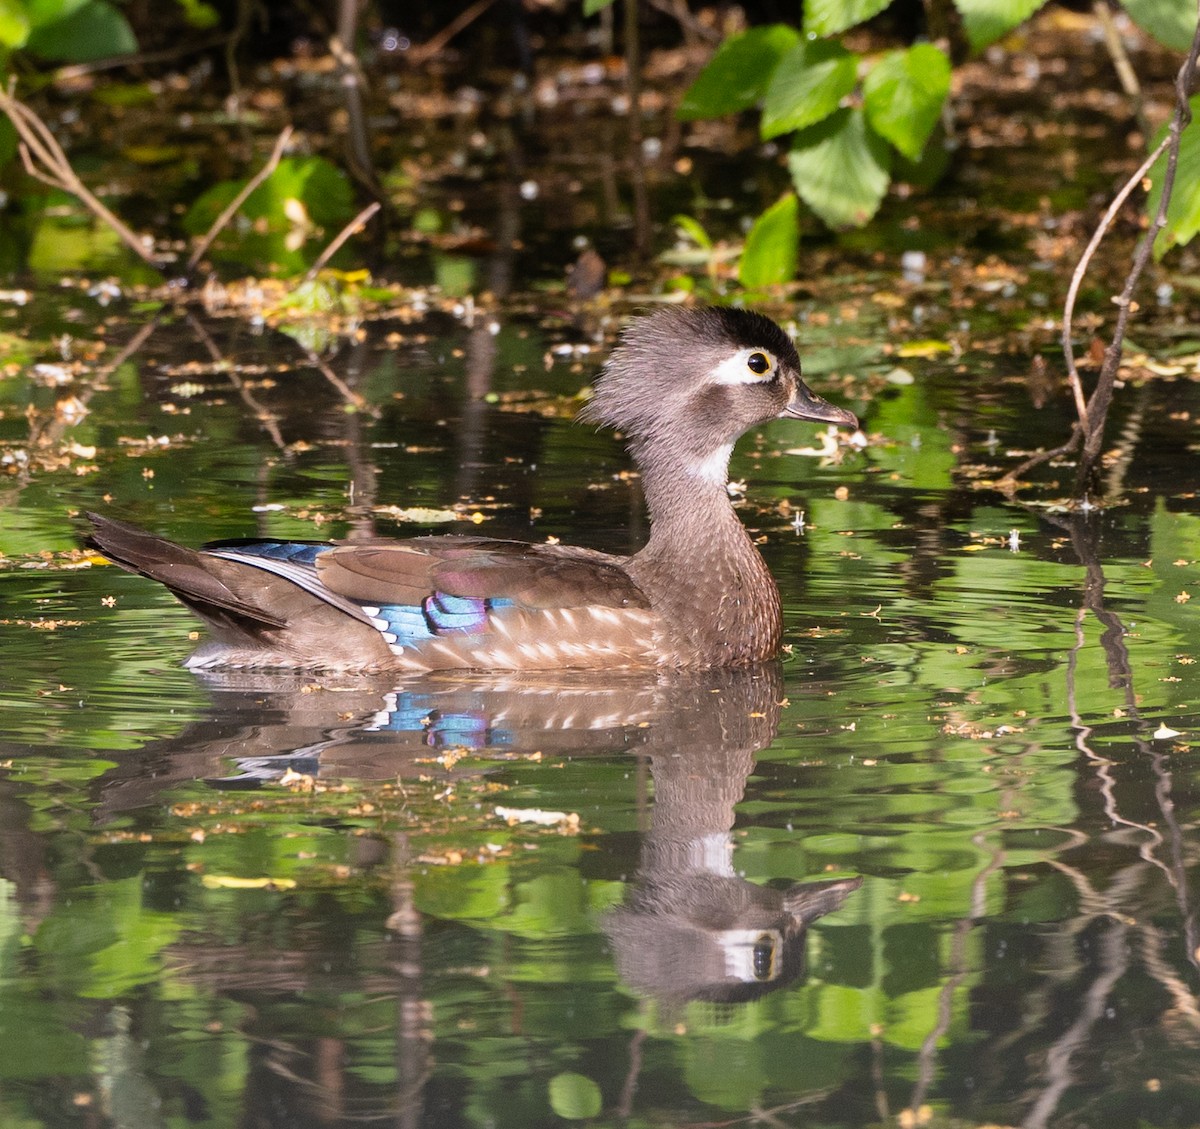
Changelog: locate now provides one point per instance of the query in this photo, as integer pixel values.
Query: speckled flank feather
(682, 385)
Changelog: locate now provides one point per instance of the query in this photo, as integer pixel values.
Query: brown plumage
(682, 385)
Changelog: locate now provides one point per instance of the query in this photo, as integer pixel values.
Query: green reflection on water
(179, 924)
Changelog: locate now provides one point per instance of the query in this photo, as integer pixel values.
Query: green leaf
(63, 246)
(904, 94)
(574, 1097)
(456, 275)
(1183, 211)
(985, 21)
(94, 31)
(313, 183)
(738, 75)
(1171, 22)
(841, 168)
(43, 12)
(591, 7)
(808, 84)
(828, 17)
(199, 14)
(773, 246)
(693, 229)
(14, 24)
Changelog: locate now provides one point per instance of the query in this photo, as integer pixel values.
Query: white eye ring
(746, 366)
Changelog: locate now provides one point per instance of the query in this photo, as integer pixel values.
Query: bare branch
(45, 160)
(353, 226)
(1088, 432)
(1101, 397)
(1081, 269)
(427, 50)
(1120, 61)
(1008, 482)
(76, 71)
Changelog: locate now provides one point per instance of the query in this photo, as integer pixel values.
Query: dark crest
(660, 357)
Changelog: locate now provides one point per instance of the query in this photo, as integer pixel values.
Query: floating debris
(566, 820)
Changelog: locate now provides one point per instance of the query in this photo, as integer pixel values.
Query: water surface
(512, 902)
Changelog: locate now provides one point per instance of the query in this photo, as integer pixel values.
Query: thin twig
(1093, 410)
(637, 152)
(1008, 482)
(45, 160)
(340, 386)
(1120, 60)
(692, 27)
(1085, 259)
(267, 418)
(431, 47)
(355, 225)
(233, 205)
(1101, 397)
(76, 71)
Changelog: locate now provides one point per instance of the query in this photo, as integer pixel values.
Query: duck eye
(758, 363)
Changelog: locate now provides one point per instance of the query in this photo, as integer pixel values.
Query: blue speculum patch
(407, 625)
(296, 552)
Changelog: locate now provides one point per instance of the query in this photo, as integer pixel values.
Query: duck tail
(208, 585)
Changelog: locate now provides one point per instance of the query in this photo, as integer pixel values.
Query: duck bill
(806, 404)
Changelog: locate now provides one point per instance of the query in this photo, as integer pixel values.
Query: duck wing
(538, 577)
(480, 602)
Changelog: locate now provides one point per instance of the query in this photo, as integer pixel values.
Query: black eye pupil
(763, 957)
(758, 363)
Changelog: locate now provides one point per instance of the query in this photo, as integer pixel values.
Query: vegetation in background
(963, 721)
(857, 120)
(853, 118)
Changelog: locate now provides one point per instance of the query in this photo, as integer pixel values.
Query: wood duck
(682, 386)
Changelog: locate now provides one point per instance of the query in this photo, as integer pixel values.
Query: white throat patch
(715, 468)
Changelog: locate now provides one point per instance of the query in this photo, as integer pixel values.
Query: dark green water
(965, 719)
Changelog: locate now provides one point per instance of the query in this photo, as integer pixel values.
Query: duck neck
(689, 504)
(700, 568)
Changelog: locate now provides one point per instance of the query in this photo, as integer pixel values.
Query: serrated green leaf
(904, 94)
(808, 85)
(841, 168)
(773, 246)
(738, 75)
(591, 7)
(14, 24)
(1171, 22)
(828, 17)
(94, 31)
(985, 21)
(1183, 211)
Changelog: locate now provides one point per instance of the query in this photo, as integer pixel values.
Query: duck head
(684, 384)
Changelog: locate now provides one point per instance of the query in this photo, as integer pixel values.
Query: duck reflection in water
(690, 928)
